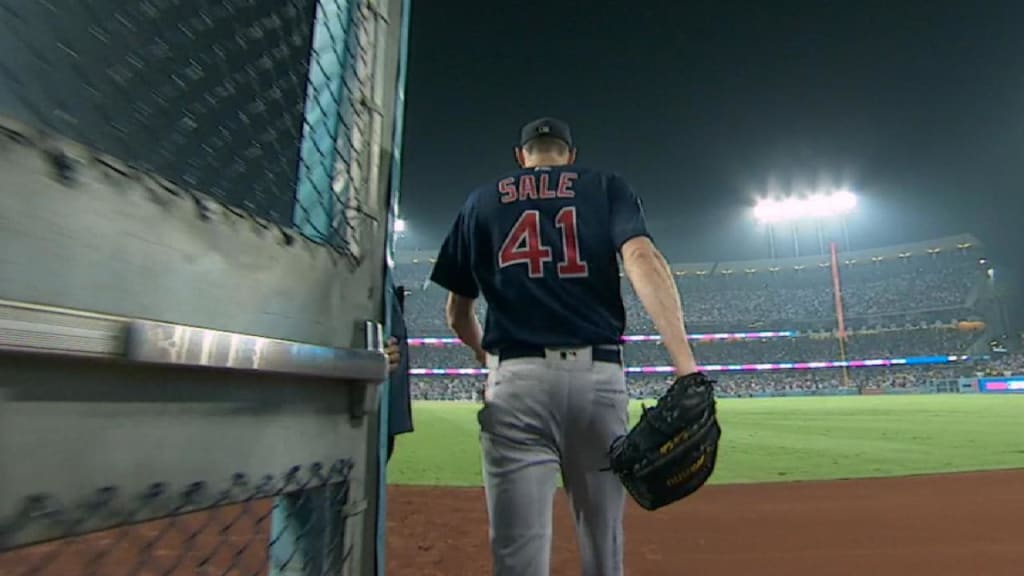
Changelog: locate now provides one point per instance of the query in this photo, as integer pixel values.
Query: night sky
(918, 107)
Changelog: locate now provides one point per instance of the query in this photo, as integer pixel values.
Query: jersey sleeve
(627, 213)
(453, 269)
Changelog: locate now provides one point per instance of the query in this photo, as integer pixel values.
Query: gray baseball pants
(542, 416)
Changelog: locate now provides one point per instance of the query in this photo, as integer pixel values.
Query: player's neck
(546, 162)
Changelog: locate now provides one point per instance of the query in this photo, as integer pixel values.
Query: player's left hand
(671, 452)
(394, 354)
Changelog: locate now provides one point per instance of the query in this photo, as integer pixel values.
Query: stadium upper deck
(920, 283)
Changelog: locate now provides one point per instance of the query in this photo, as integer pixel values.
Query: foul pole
(840, 322)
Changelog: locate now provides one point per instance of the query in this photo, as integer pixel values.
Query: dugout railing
(196, 201)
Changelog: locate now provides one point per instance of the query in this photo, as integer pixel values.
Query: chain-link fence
(291, 523)
(270, 108)
(264, 105)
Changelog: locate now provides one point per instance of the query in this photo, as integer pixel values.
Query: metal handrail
(37, 329)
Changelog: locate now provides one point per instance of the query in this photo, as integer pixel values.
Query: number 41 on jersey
(523, 245)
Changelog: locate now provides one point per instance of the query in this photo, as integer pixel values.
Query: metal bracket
(359, 396)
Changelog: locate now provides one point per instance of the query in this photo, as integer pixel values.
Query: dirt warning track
(943, 525)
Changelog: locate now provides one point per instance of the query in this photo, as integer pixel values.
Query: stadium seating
(897, 302)
(873, 292)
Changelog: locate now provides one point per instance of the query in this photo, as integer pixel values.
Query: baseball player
(541, 245)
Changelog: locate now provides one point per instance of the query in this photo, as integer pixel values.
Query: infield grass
(775, 439)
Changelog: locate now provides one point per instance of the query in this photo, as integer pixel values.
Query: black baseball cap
(549, 127)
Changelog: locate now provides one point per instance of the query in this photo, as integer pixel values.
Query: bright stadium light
(844, 202)
(400, 225)
(817, 206)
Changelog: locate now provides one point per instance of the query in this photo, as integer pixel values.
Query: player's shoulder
(604, 176)
(591, 171)
(476, 194)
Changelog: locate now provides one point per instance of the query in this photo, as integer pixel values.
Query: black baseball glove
(671, 451)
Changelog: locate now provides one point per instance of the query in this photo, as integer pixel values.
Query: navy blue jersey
(541, 246)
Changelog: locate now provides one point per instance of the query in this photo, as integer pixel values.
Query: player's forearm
(467, 328)
(463, 323)
(652, 281)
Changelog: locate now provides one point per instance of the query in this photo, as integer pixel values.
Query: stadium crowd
(446, 387)
(724, 298)
(1007, 365)
(921, 341)
(735, 383)
(877, 296)
(805, 381)
(892, 343)
(869, 290)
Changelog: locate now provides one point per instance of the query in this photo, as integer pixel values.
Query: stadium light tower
(816, 207)
(400, 228)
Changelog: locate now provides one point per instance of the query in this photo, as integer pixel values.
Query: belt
(612, 355)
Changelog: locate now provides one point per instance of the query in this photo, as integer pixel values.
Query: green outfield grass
(777, 439)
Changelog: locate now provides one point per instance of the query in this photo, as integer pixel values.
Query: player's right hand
(394, 354)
